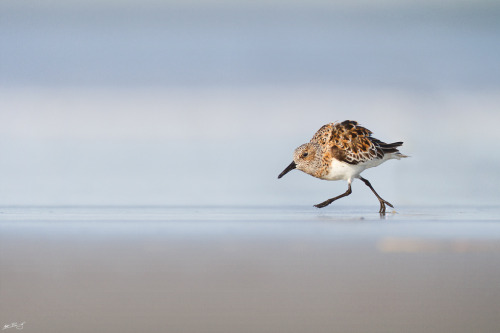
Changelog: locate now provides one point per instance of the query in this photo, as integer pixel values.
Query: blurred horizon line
(339, 4)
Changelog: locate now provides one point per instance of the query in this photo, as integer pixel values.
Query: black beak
(288, 169)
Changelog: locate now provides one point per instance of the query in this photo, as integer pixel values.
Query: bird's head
(306, 158)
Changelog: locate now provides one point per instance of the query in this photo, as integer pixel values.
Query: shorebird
(341, 151)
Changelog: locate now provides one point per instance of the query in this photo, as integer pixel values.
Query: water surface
(248, 269)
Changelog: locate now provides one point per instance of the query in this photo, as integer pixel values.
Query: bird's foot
(324, 203)
(382, 206)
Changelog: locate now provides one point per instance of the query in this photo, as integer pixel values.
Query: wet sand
(250, 269)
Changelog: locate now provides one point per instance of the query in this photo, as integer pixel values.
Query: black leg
(329, 201)
(382, 201)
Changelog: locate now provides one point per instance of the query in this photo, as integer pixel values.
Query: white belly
(344, 171)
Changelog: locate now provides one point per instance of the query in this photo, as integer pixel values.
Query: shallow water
(250, 269)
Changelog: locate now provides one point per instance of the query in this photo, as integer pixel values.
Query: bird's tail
(392, 148)
(398, 155)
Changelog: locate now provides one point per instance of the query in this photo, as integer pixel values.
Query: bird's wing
(349, 142)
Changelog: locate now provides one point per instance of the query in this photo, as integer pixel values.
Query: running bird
(341, 151)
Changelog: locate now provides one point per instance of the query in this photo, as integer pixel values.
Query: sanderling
(341, 151)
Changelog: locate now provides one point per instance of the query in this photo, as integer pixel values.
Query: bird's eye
(305, 154)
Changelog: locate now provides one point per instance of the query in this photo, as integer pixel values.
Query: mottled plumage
(342, 151)
(353, 143)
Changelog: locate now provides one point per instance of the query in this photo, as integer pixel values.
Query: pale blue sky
(141, 103)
